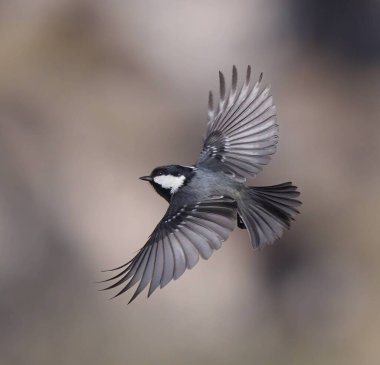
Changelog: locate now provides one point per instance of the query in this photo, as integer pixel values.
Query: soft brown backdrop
(94, 94)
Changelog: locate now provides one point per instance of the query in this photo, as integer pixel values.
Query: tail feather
(267, 211)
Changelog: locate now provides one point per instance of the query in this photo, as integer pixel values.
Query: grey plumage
(184, 234)
(205, 199)
(271, 210)
(242, 131)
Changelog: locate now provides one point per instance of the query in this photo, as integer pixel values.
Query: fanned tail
(267, 211)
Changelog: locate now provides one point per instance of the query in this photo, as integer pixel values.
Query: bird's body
(203, 183)
(208, 198)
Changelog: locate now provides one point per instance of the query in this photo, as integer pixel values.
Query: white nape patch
(170, 182)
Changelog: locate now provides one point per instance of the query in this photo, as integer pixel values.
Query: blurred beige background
(94, 94)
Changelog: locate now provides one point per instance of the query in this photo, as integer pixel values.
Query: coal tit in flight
(208, 198)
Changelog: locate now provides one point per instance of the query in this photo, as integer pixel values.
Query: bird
(209, 198)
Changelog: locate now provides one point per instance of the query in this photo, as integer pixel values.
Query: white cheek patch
(170, 182)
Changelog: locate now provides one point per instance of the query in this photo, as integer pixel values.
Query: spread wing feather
(241, 130)
(175, 245)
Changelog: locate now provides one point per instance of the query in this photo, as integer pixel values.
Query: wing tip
(210, 101)
(248, 74)
(234, 78)
(134, 296)
(222, 86)
(117, 268)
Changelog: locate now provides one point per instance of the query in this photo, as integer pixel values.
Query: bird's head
(166, 180)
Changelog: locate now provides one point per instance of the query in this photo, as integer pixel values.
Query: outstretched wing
(183, 234)
(242, 130)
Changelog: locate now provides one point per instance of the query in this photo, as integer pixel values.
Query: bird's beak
(146, 178)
